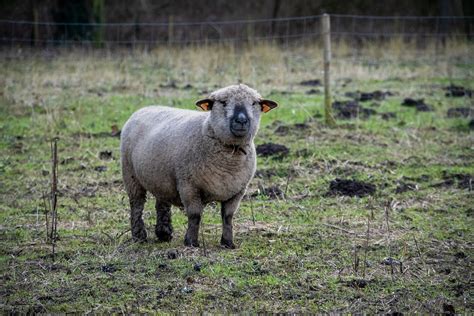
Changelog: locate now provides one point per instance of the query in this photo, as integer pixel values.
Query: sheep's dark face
(235, 113)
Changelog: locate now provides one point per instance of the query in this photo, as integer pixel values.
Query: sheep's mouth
(239, 132)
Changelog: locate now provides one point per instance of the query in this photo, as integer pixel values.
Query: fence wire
(37, 33)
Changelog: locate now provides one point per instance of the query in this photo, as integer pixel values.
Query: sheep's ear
(205, 104)
(267, 105)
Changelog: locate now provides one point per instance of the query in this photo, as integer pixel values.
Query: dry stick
(287, 180)
(54, 195)
(251, 210)
(203, 239)
(356, 258)
(388, 235)
(366, 245)
(337, 227)
(46, 210)
(419, 252)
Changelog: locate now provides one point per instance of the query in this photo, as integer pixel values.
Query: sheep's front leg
(191, 238)
(194, 207)
(227, 212)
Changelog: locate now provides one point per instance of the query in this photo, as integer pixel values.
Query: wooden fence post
(36, 26)
(170, 30)
(98, 9)
(326, 26)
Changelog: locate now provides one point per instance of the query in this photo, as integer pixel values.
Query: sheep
(191, 158)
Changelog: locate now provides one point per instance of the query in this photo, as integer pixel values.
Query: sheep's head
(235, 113)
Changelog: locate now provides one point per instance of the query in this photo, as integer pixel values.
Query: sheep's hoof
(139, 236)
(191, 243)
(229, 244)
(164, 234)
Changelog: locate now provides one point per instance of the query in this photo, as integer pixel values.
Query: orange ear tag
(265, 108)
(204, 106)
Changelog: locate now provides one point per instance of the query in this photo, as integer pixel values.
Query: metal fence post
(327, 61)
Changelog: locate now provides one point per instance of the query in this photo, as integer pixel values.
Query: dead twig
(204, 249)
(47, 207)
(287, 180)
(366, 247)
(251, 210)
(54, 195)
(339, 228)
(386, 213)
(356, 258)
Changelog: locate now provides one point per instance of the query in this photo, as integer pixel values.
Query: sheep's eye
(224, 104)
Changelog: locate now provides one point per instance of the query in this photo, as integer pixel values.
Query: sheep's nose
(241, 119)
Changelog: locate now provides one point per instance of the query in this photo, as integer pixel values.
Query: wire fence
(282, 30)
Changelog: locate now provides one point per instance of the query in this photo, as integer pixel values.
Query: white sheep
(189, 158)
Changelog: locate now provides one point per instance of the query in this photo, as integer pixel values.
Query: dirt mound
(457, 91)
(311, 83)
(105, 155)
(283, 130)
(375, 95)
(463, 181)
(459, 112)
(351, 109)
(351, 188)
(313, 91)
(419, 104)
(368, 96)
(271, 149)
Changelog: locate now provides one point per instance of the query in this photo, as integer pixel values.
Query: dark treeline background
(135, 12)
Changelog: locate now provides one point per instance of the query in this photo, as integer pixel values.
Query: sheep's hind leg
(137, 197)
(163, 228)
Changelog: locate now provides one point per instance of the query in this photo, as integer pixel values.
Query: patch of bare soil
(351, 109)
(313, 91)
(350, 187)
(283, 130)
(271, 149)
(460, 112)
(377, 95)
(357, 283)
(457, 91)
(418, 104)
(105, 155)
(463, 181)
(311, 83)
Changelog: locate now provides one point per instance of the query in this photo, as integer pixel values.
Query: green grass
(307, 252)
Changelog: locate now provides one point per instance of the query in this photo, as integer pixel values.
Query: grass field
(304, 245)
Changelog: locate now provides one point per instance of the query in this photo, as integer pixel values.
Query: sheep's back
(157, 140)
